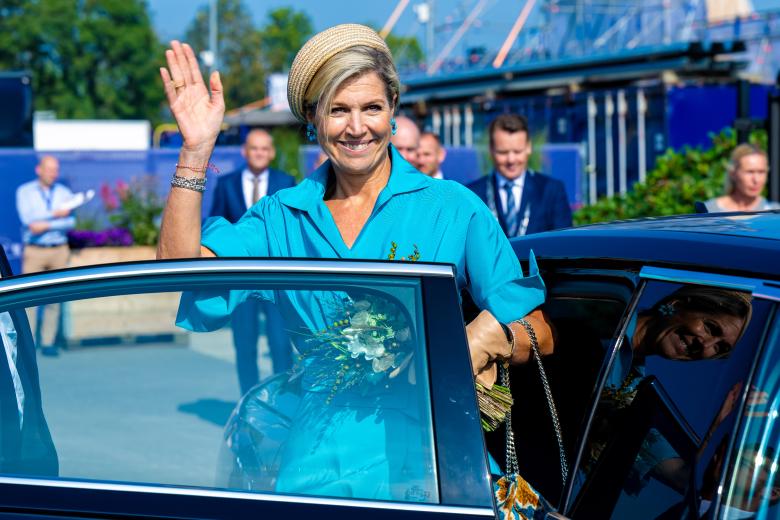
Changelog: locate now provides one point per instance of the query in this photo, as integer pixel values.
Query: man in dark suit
(522, 200)
(235, 193)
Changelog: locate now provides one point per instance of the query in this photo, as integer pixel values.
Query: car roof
(729, 242)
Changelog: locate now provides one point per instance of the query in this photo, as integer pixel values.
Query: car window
(668, 399)
(154, 388)
(752, 488)
(586, 312)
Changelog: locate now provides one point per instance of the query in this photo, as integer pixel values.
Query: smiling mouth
(355, 146)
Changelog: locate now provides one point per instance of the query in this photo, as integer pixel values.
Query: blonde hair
(349, 63)
(735, 162)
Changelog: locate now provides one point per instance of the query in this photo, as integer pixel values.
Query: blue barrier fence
(90, 170)
(82, 171)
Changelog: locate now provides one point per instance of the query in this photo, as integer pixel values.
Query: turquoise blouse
(427, 219)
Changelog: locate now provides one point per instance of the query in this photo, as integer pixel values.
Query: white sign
(88, 135)
(277, 89)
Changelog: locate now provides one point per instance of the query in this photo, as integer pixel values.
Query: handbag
(515, 498)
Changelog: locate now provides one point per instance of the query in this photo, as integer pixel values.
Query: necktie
(510, 217)
(255, 189)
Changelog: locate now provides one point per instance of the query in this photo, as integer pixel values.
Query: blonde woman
(361, 202)
(747, 176)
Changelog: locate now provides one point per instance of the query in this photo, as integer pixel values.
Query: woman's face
(693, 335)
(750, 178)
(357, 129)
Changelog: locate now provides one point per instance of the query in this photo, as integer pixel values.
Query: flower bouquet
(369, 342)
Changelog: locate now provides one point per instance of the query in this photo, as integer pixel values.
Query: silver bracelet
(189, 183)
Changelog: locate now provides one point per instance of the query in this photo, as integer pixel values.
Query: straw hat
(319, 49)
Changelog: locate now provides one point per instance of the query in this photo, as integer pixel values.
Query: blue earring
(667, 309)
(393, 126)
(311, 133)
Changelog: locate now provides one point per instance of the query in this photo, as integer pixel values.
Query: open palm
(198, 114)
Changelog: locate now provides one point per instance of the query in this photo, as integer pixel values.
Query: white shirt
(248, 183)
(517, 189)
(8, 337)
(438, 175)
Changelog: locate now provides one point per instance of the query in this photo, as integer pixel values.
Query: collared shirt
(445, 220)
(36, 204)
(8, 337)
(517, 189)
(247, 183)
(438, 175)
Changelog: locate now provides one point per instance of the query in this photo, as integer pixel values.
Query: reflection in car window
(753, 489)
(136, 398)
(8, 336)
(685, 351)
(586, 314)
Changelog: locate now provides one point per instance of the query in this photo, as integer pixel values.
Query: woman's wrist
(510, 338)
(193, 163)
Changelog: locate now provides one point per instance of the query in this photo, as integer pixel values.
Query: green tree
(239, 50)
(406, 50)
(678, 181)
(282, 36)
(88, 59)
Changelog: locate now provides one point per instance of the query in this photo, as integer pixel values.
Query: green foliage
(138, 209)
(406, 50)
(89, 58)
(287, 142)
(282, 36)
(247, 55)
(240, 55)
(679, 179)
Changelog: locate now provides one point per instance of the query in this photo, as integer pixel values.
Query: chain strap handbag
(515, 498)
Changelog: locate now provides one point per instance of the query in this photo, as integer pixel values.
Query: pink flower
(110, 202)
(122, 189)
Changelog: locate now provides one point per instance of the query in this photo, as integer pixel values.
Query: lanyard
(47, 196)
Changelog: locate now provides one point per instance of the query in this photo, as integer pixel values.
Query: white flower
(367, 345)
(360, 319)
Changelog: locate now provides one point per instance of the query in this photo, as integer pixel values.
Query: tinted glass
(668, 399)
(290, 386)
(752, 489)
(585, 313)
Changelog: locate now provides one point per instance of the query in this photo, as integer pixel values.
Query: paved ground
(142, 413)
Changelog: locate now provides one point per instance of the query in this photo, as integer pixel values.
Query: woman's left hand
(487, 343)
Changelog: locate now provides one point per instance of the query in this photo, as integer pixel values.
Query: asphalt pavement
(142, 413)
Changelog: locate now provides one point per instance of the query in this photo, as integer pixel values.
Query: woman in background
(747, 175)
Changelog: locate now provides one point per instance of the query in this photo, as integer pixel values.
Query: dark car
(663, 378)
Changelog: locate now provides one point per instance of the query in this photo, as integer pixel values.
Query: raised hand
(198, 114)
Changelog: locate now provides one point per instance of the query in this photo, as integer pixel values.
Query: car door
(668, 397)
(379, 416)
(749, 480)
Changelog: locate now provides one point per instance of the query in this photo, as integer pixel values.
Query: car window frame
(770, 291)
(756, 286)
(454, 410)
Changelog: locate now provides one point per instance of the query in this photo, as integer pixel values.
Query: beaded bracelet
(189, 183)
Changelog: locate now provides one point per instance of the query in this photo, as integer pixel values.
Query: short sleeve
(204, 311)
(495, 279)
(247, 237)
